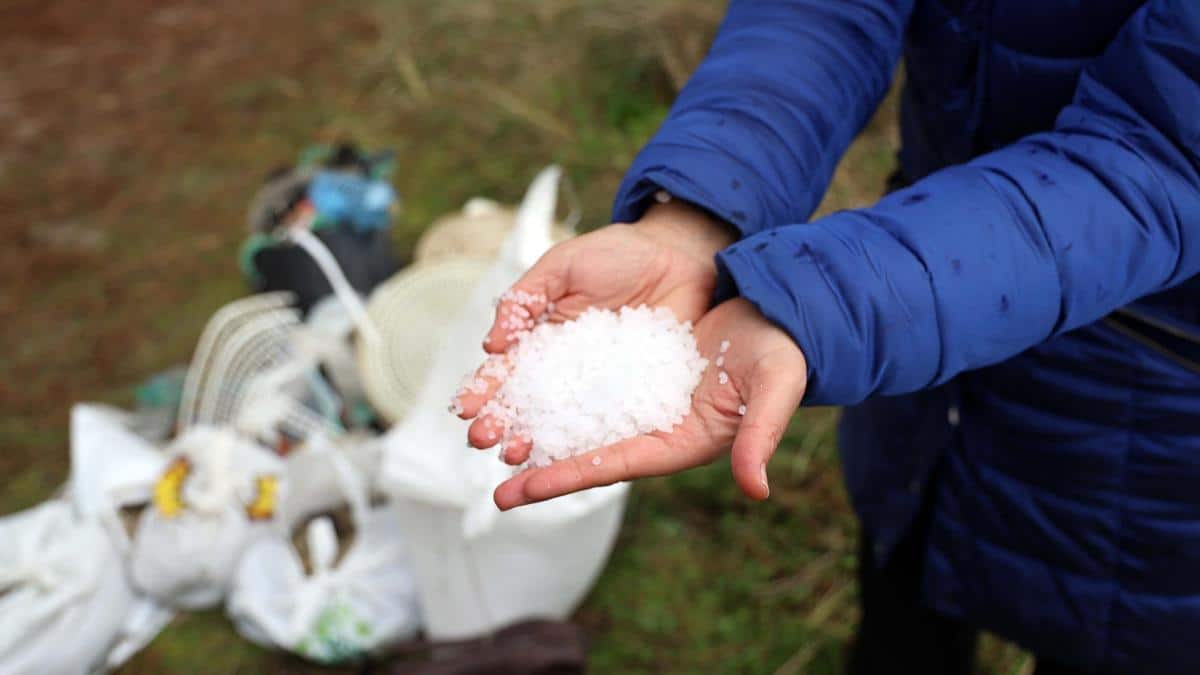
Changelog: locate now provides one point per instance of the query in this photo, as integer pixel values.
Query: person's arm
(755, 135)
(979, 262)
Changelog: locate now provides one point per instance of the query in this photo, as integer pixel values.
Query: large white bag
(343, 610)
(112, 466)
(66, 603)
(217, 494)
(479, 569)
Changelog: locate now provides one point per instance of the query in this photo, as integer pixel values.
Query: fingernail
(762, 478)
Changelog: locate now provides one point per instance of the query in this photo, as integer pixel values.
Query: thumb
(771, 399)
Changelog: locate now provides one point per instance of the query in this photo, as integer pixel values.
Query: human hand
(663, 260)
(763, 370)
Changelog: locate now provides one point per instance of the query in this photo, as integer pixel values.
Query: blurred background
(133, 134)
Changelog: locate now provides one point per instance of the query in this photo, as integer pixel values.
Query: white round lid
(413, 311)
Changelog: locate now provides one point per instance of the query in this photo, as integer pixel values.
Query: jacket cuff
(704, 177)
(856, 327)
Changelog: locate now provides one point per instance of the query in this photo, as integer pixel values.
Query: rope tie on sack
(326, 581)
(345, 293)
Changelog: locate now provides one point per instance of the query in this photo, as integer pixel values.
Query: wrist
(688, 228)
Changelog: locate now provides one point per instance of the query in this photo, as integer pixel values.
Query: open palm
(612, 267)
(762, 375)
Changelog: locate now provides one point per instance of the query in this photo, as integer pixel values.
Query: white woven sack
(479, 569)
(66, 603)
(217, 494)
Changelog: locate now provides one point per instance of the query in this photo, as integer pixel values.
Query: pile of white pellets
(603, 377)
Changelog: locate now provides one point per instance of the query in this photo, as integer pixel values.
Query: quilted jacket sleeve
(979, 262)
(755, 135)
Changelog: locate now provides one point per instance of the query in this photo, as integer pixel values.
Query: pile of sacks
(303, 473)
(142, 532)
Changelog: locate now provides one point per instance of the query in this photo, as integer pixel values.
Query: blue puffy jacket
(1055, 148)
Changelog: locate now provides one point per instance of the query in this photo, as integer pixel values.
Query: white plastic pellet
(570, 388)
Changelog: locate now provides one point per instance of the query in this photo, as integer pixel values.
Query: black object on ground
(538, 647)
(366, 258)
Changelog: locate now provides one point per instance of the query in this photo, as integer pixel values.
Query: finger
(771, 400)
(472, 398)
(511, 493)
(521, 305)
(634, 458)
(485, 432)
(480, 387)
(516, 450)
(516, 314)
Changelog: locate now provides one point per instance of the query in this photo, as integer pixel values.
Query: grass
(148, 127)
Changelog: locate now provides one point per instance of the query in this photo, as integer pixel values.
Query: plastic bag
(112, 466)
(216, 495)
(363, 203)
(313, 485)
(340, 610)
(539, 560)
(67, 605)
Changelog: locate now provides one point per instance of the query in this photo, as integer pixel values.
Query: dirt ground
(123, 175)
